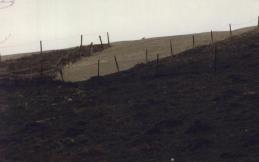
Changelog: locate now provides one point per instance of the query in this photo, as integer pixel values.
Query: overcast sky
(60, 22)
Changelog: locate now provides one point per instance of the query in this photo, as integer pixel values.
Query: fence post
(258, 23)
(171, 48)
(30, 63)
(230, 30)
(157, 59)
(146, 55)
(61, 74)
(157, 64)
(91, 48)
(81, 42)
(193, 41)
(41, 61)
(116, 63)
(100, 38)
(98, 68)
(215, 51)
(211, 36)
(108, 39)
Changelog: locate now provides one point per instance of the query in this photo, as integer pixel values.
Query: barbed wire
(247, 23)
(71, 38)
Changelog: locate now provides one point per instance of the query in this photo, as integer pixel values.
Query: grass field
(179, 109)
(130, 53)
(47, 64)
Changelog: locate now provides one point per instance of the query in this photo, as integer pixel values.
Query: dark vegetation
(49, 63)
(179, 109)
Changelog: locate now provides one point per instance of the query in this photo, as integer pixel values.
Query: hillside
(130, 53)
(181, 108)
(45, 64)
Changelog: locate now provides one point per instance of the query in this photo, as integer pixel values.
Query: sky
(59, 23)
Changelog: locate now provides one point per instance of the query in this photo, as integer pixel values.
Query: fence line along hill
(202, 106)
(99, 58)
(130, 53)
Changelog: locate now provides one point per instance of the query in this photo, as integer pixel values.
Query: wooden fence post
(81, 42)
(41, 47)
(211, 36)
(108, 39)
(157, 64)
(146, 55)
(91, 48)
(157, 59)
(258, 23)
(61, 74)
(230, 30)
(171, 48)
(193, 41)
(100, 38)
(31, 71)
(116, 63)
(41, 61)
(98, 68)
(215, 51)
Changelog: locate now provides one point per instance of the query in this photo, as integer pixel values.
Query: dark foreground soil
(179, 109)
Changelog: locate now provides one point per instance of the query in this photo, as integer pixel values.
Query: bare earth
(130, 53)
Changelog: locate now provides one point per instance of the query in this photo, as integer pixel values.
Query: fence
(117, 60)
(99, 65)
(46, 64)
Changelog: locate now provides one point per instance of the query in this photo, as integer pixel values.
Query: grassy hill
(130, 53)
(179, 109)
(47, 64)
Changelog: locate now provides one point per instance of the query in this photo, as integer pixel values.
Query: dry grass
(130, 53)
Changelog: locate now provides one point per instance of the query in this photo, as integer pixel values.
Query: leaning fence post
(108, 39)
(61, 74)
(98, 68)
(211, 37)
(171, 48)
(116, 63)
(230, 30)
(193, 41)
(100, 38)
(41, 61)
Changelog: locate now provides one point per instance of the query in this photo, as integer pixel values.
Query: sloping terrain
(183, 108)
(47, 64)
(130, 53)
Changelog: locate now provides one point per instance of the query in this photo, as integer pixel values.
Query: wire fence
(105, 63)
(46, 64)
(10, 51)
(58, 64)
